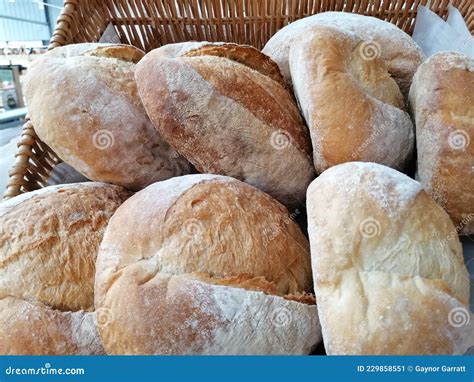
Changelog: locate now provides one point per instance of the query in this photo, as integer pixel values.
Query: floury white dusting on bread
(375, 128)
(84, 104)
(442, 104)
(199, 277)
(377, 255)
(201, 104)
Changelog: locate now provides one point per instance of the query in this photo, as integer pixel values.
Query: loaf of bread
(49, 241)
(244, 54)
(389, 275)
(381, 40)
(442, 103)
(224, 108)
(353, 108)
(83, 103)
(210, 265)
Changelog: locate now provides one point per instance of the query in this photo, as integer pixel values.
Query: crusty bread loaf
(352, 106)
(389, 274)
(83, 103)
(244, 54)
(381, 39)
(221, 108)
(48, 245)
(442, 103)
(197, 273)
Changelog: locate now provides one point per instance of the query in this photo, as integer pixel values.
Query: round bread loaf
(442, 102)
(210, 265)
(381, 40)
(49, 241)
(83, 103)
(328, 72)
(388, 271)
(223, 109)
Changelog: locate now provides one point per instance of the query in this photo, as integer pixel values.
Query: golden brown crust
(48, 246)
(84, 104)
(245, 55)
(328, 71)
(34, 329)
(228, 119)
(442, 102)
(121, 52)
(195, 240)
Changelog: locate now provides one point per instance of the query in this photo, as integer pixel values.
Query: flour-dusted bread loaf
(245, 54)
(224, 109)
(388, 271)
(442, 103)
(353, 108)
(210, 265)
(49, 241)
(83, 103)
(381, 39)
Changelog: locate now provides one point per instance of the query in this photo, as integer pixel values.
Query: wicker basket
(149, 24)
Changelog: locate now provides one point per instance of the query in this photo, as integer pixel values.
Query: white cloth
(434, 35)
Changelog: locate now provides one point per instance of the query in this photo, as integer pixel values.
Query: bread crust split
(389, 277)
(194, 275)
(442, 104)
(227, 118)
(83, 103)
(353, 108)
(49, 240)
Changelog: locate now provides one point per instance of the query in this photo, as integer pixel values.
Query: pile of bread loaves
(204, 159)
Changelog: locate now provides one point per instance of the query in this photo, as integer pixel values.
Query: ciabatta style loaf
(388, 268)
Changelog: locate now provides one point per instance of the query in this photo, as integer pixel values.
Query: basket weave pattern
(149, 24)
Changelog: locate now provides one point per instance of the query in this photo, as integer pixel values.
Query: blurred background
(25, 29)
